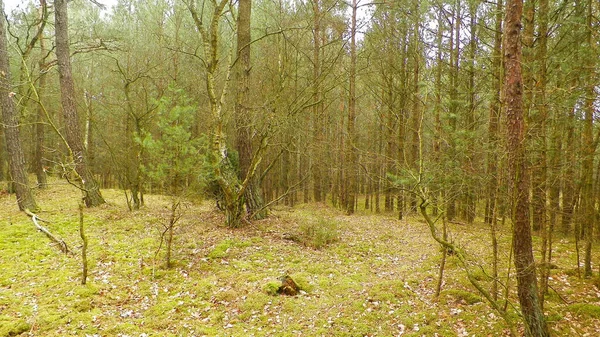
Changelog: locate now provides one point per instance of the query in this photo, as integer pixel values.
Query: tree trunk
(92, 196)
(451, 198)
(494, 145)
(522, 241)
(540, 185)
(318, 171)
(243, 113)
(472, 157)
(351, 141)
(587, 170)
(16, 158)
(38, 158)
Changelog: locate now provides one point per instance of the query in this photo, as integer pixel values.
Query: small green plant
(319, 234)
(174, 154)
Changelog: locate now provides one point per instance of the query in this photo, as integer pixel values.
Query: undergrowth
(368, 275)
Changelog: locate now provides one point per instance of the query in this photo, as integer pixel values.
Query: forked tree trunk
(92, 196)
(16, 159)
(523, 247)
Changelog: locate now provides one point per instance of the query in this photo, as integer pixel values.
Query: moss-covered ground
(372, 275)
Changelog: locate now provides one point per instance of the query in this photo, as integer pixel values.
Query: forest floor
(377, 278)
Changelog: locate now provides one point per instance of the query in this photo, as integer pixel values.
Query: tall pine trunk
(16, 158)
(92, 196)
(522, 241)
(243, 118)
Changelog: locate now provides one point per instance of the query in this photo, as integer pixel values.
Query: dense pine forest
(300, 167)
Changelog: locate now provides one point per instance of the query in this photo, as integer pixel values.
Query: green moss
(302, 281)
(161, 308)
(462, 295)
(122, 328)
(387, 291)
(82, 305)
(51, 318)
(222, 249)
(585, 309)
(87, 290)
(9, 326)
(271, 287)
(480, 275)
(554, 317)
(226, 296)
(254, 304)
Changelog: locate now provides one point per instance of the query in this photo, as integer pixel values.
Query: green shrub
(319, 234)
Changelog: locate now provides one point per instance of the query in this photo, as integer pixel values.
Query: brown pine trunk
(16, 158)
(243, 113)
(92, 196)
(522, 242)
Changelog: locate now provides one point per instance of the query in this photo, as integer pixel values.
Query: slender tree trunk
(38, 158)
(540, 184)
(453, 105)
(587, 170)
(352, 141)
(494, 145)
(439, 135)
(523, 247)
(16, 158)
(317, 168)
(389, 149)
(92, 196)
(416, 106)
(472, 157)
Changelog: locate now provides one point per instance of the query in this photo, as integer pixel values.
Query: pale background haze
(9, 5)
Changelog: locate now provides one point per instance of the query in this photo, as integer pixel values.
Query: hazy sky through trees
(9, 5)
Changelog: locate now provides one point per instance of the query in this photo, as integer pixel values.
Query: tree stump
(288, 286)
